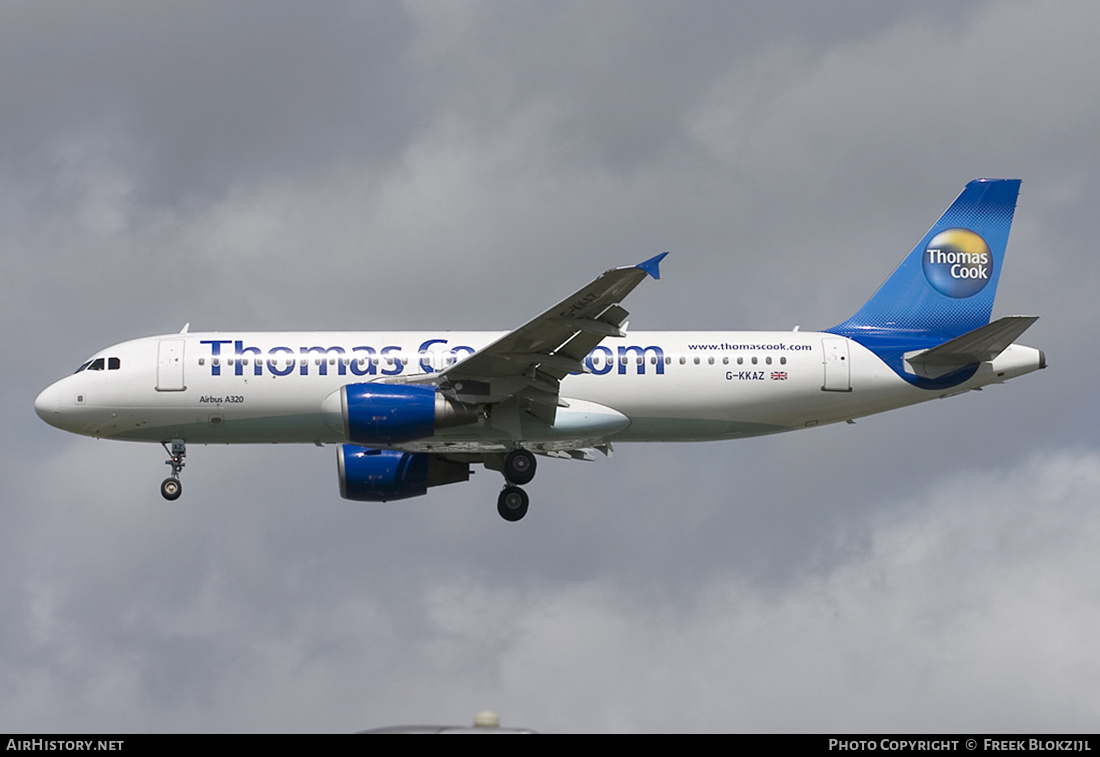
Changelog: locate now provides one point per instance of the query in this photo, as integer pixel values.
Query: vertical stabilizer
(945, 286)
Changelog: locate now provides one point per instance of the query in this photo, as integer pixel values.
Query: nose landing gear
(171, 488)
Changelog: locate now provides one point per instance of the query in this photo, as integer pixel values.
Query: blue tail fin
(945, 286)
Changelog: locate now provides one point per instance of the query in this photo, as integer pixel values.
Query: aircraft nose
(48, 406)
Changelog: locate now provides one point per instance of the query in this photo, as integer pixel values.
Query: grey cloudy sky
(344, 165)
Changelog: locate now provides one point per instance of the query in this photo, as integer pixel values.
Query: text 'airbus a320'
(413, 410)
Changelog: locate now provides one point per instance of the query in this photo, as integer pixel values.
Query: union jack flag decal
(779, 375)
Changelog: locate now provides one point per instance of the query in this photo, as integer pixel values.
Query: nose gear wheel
(171, 488)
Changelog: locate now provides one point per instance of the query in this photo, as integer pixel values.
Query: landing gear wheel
(171, 489)
(519, 467)
(512, 503)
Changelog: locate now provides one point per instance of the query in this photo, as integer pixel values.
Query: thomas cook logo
(957, 263)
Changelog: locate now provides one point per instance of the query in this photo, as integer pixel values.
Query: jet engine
(379, 475)
(393, 413)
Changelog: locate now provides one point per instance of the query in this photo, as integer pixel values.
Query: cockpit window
(100, 363)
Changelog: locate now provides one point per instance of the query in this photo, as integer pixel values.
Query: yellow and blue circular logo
(958, 263)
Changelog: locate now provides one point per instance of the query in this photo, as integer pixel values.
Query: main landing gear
(518, 469)
(171, 488)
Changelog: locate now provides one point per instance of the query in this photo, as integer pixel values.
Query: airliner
(409, 411)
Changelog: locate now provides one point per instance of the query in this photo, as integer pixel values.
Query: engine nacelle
(394, 413)
(379, 475)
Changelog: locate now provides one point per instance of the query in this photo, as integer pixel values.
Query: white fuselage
(279, 387)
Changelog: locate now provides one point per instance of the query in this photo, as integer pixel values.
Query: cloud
(967, 607)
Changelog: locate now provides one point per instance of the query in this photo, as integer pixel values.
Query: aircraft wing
(529, 362)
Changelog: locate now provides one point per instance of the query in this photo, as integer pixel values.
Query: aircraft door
(170, 365)
(838, 373)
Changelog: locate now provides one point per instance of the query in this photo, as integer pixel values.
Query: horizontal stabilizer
(977, 346)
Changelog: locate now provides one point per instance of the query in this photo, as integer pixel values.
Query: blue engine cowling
(378, 475)
(375, 413)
